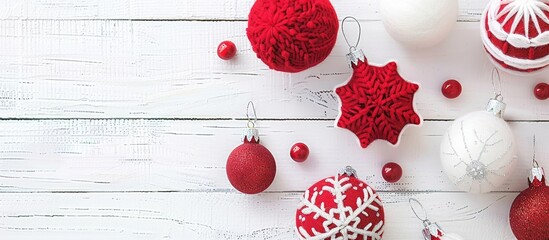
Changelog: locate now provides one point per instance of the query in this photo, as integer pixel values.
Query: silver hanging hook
(497, 90)
(534, 162)
(351, 47)
(425, 220)
(251, 122)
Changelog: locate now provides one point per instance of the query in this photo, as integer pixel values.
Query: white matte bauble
(451, 236)
(419, 23)
(478, 152)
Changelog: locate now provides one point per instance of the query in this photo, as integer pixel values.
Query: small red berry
(451, 89)
(391, 172)
(226, 50)
(541, 91)
(299, 152)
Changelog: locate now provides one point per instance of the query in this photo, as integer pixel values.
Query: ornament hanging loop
(497, 89)
(352, 48)
(424, 219)
(251, 121)
(535, 163)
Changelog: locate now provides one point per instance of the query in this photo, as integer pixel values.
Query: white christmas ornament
(419, 23)
(478, 150)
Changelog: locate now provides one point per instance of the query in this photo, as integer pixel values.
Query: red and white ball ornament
(515, 34)
(529, 215)
(340, 207)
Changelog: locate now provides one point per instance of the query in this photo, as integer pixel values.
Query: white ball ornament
(419, 23)
(478, 150)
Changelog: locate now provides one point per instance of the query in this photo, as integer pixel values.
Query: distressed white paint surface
(470, 10)
(140, 216)
(163, 177)
(158, 69)
(134, 155)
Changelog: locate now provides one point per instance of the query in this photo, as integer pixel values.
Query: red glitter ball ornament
(339, 207)
(226, 50)
(299, 152)
(292, 35)
(451, 89)
(251, 168)
(529, 215)
(541, 91)
(376, 103)
(391, 172)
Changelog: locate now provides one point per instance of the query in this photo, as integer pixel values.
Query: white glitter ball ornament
(478, 150)
(419, 23)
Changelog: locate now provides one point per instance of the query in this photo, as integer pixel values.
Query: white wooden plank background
(118, 118)
(123, 69)
(140, 216)
(134, 155)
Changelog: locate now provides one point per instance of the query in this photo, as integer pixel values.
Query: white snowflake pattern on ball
(340, 208)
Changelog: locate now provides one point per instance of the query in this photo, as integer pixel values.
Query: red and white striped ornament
(515, 34)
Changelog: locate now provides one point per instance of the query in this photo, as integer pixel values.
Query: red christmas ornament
(515, 34)
(292, 35)
(340, 207)
(529, 215)
(299, 152)
(541, 91)
(376, 103)
(391, 172)
(451, 89)
(226, 50)
(251, 168)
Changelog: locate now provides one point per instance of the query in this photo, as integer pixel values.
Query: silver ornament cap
(250, 135)
(537, 174)
(496, 106)
(431, 229)
(355, 56)
(349, 171)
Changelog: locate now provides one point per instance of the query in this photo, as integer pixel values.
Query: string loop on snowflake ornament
(497, 90)
(251, 122)
(352, 48)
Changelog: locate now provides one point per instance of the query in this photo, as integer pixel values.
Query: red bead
(451, 89)
(391, 172)
(299, 152)
(226, 50)
(541, 91)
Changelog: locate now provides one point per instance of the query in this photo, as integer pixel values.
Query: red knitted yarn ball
(292, 35)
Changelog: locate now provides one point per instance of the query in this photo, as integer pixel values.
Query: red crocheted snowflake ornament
(377, 103)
